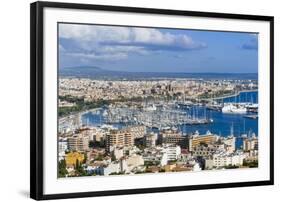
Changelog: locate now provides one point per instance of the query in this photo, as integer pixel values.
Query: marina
(155, 117)
(187, 120)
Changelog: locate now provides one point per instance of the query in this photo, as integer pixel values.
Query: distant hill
(94, 72)
(80, 69)
(100, 73)
(83, 71)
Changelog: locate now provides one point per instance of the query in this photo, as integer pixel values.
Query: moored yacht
(230, 108)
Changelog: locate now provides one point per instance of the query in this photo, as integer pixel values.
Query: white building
(173, 152)
(135, 160)
(229, 143)
(118, 152)
(131, 163)
(155, 154)
(196, 167)
(164, 159)
(150, 140)
(250, 143)
(223, 159)
(63, 146)
(124, 165)
(162, 154)
(113, 167)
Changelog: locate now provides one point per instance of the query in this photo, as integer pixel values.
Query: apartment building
(78, 142)
(118, 138)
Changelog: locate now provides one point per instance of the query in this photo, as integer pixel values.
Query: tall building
(150, 140)
(197, 139)
(136, 131)
(63, 145)
(229, 143)
(119, 138)
(204, 150)
(78, 143)
(251, 143)
(173, 152)
(173, 137)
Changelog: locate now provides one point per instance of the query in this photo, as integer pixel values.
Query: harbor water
(222, 123)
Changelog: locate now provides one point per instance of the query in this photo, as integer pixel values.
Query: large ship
(235, 109)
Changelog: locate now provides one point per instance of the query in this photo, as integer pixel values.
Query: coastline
(217, 98)
(234, 95)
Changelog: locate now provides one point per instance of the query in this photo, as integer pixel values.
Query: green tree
(62, 168)
(113, 157)
(85, 158)
(79, 169)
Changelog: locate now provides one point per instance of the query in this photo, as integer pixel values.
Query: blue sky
(157, 50)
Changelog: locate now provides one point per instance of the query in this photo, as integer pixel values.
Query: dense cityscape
(123, 126)
(136, 100)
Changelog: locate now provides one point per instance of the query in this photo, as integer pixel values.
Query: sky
(135, 49)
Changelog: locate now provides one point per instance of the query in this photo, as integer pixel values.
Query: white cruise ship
(230, 108)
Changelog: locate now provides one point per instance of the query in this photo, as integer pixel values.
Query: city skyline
(134, 49)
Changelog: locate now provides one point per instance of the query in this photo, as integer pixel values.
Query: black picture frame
(36, 98)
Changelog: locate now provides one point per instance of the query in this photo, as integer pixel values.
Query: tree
(85, 158)
(113, 157)
(62, 168)
(91, 144)
(77, 164)
(79, 169)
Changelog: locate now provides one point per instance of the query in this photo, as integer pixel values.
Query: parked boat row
(154, 116)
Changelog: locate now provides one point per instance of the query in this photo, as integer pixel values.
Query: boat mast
(231, 130)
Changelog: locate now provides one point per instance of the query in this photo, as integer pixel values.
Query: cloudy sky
(157, 50)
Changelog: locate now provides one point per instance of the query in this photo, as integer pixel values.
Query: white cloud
(94, 33)
(95, 41)
(123, 49)
(93, 56)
